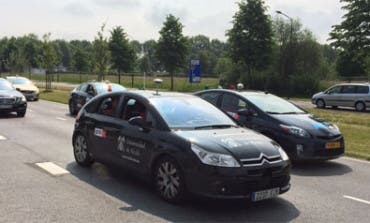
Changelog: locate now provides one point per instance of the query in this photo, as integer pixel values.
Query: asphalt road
(336, 191)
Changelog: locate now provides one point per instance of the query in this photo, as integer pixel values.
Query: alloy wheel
(168, 180)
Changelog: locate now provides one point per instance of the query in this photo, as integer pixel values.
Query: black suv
(180, 143)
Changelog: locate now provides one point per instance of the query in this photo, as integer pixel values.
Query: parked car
(11, 100)
(302, 135)
(27, 87)
(181, 144)
(345, 95)
(85, 91)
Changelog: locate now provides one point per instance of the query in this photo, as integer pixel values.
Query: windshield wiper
(292, 113)
(214, 126)
(273, 113)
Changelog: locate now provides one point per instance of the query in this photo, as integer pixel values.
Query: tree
(250, 38)
(351, 37)
(80, 61)
(172, 47)
(101, 53)
(48, 59)
(122, 55)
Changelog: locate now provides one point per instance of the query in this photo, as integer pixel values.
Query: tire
(81, 151)
(72, 108)
(360, 106)
(169, 180)
(320, 103)
(21, 114)
(334, 107)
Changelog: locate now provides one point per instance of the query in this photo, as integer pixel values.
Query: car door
(80, 96)
(104, 127)
(135, 145)
(348, 95)
(333, 96)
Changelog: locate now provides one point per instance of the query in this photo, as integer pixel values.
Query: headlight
(214, 159)
(283, 154)
(293, 130)
(23, 99)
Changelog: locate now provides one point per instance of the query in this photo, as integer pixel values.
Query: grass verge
(56, 95)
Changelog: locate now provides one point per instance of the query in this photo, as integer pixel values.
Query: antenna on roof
(158, 83)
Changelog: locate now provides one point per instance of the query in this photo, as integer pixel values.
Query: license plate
(265, 194)
(332, 145)
(5, 106)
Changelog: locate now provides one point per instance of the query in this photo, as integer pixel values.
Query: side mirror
(18, 89)
(247, 112)
(138, 121)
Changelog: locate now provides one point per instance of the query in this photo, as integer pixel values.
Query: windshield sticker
(100, 132)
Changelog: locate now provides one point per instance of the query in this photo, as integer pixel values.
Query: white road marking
(52, 168)
(356, 160)
(356, 199)
(30, 110)
(61, 119)
(2, 137)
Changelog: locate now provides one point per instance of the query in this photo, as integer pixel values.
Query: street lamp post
(290, 39)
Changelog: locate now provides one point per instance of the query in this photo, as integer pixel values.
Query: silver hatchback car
(345, 95)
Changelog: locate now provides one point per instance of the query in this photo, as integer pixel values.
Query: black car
(180, 143)
(11, 100)
(302, 135)
(84, 92)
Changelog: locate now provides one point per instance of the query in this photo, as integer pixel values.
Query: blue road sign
(194, 73)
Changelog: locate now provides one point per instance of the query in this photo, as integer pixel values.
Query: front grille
(269, 178)
(7, 101)
(261, 160)
(27, 92)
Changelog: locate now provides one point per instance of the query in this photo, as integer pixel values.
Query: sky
(142, 19)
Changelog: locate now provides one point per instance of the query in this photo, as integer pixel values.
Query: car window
(348, 89)
(189, 113)
(108, 106)
(362, 90)
(211, 97)
(82, 87)
(19, 80)
(90, 89)
(334, 90)
(133, 108)
(232, 104)
(273, 104)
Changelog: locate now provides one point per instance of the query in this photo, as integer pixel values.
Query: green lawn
(355, 127)
(56, 95)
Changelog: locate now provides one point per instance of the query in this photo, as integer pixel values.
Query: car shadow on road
(320, 168)
(137, 195)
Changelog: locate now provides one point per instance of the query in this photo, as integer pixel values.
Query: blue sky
(142, 19)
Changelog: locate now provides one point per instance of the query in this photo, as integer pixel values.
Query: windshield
(273, 105)
(5, 85)
(103, 87)
(190, 113)
(19, 80)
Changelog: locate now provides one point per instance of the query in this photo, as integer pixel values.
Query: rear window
(362, 90)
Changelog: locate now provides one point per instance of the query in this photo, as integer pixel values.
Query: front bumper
(13, 107)
(31, 95)
(312, 148)
(236, 183)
